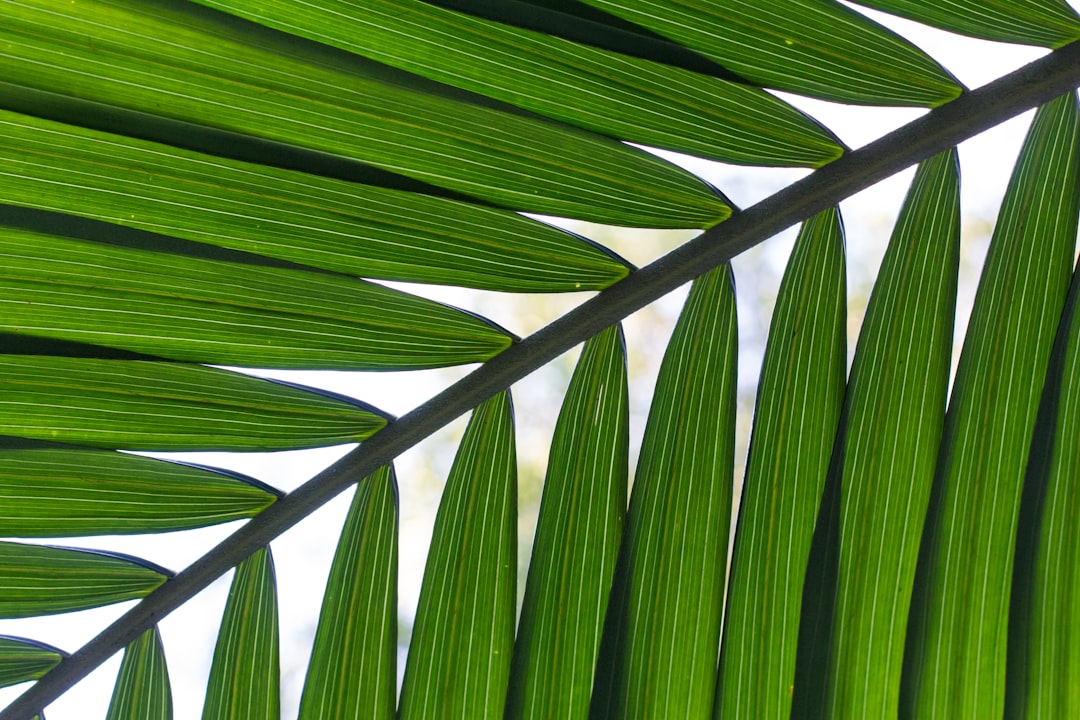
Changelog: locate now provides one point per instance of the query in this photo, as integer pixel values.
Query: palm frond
(193, 185)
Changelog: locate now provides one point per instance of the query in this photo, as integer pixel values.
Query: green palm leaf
(353, 669)
(44, 580)
(642, 102)
(71, 492)
(22, 660)
(577, 540)
(142, 689)
(244, 677)
(798, 408)
(894, 411)
(320, 222)
(463, 638)
(199, 310)
(1038, 22)
(200, 68)
(663, 619)
(955, 654)
(812, 47)
(167, 406)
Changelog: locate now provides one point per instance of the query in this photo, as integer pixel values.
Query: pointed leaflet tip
(809, 47)
(577, 540)
(797, 410)
(463, 637)
(662, 628)
(142, 689)
(244, 681)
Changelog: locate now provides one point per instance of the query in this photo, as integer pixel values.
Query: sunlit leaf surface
(1037, 22)
(201, 310)
(463, 637)
(245, 675)
(142, 689)
(353, 670)
(798, 408)
(189, 64)
(811, 47)
(71, 492)
(627, 98)
(168, 406)
(22, 660)
(893, 417)
(577, 540)
(956, 644)
(662, 630)
(340, 226)
(45, 580)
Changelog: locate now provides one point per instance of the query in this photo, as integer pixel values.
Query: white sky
(303, 554)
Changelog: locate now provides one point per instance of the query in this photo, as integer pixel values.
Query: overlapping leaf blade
(22, 660)
(800, 394)
(200, 310)
(463, 637)
(577, 540)
(1043, 672)
(44, 580)
(139, 405)
(71, 492)
(1051, 23)
(341, 226)
(624, 97)
(353, 670)
(955, 654)
(811, 47)
(662, 630)
(245, 675)
(196, 67)
(142, 689)
(893, 417)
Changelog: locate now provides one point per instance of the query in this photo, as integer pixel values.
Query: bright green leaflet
(662, 630)
(1051, 23)
(43, 580)
(811, 47)
(353, 670)
(341, 226)
(797, 410)
(954, 662)
(613, 94)
(192, 66)
(244, 679)
(463, 637)
(22, 660)
(1044, 616)
(142, 689)
(138, 405)
(70, 492)
(201, 310)
(577, 540)
(895, 409)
